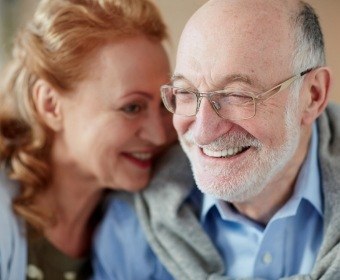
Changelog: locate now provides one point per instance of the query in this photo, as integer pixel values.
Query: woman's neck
(72, 204)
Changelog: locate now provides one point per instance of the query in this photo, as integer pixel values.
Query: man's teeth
(142, 156)
(224, 153)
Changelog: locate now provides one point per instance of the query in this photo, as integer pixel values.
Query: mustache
(225, 141)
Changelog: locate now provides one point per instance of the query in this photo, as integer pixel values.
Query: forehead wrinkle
(224, 82)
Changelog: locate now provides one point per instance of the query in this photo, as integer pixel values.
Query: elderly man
(249, 96)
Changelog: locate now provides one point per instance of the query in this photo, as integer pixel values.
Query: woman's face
(114, 121)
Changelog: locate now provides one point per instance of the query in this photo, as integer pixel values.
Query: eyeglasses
(231, 105)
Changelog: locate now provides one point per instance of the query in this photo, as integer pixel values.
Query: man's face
(235, 160)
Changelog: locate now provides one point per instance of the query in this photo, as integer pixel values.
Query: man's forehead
(243, 17)
(233, 46)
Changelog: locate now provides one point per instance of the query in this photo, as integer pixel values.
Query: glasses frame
(262, 97)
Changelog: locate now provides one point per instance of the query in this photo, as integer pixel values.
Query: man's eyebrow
(228, 79)
(177, 77)
(237, 78)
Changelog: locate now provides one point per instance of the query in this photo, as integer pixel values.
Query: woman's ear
(318, 87)
(48, 104)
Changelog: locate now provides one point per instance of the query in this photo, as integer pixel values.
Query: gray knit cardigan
(178, 240)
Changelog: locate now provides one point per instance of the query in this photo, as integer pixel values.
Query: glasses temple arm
(270, 93)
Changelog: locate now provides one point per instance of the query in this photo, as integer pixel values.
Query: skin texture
(106, 133)
(251, 50)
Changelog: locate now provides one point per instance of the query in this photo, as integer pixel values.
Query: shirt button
(70, 275)
(34, 272)
(267, 258)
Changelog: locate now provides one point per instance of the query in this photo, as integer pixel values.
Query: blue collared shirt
(288, 245)
(121, 251)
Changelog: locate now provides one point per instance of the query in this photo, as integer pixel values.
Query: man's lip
(235, 156)
(225, 153)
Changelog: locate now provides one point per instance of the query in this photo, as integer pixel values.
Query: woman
(80, 111)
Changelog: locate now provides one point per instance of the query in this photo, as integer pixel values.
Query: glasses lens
(179, 101)
(233, 106)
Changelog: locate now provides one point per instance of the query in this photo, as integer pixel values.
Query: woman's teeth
(142, 156)
(224, 153)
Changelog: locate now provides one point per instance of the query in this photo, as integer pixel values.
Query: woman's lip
(144, 164)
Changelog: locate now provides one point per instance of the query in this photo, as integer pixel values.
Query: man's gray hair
(309, 43)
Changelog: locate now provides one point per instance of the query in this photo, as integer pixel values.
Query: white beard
(241, 182)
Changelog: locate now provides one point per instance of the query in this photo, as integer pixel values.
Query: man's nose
(208, 125)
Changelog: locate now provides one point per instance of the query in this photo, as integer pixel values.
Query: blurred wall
(13, 14)
(176, 12)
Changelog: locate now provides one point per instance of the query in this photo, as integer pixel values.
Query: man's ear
(48, 104)
(317, 90)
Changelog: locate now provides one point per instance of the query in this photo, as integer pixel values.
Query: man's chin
(224, 189)
(211, 185)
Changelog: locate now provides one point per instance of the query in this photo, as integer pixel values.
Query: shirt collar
(208, 203)
(308, 187)
(308, 183)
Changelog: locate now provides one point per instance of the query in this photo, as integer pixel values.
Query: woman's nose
(154, 129)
